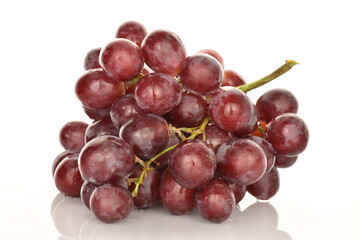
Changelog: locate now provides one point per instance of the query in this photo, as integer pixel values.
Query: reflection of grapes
(173, 128)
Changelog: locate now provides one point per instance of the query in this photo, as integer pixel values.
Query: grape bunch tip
(173, 129)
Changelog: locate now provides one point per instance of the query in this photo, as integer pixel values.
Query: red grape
(163, 52)
(86, 190)
(72, 136)
(192, 163)
(216, 136)
(122, 59)
(100, 127)
(58, 160)
(190, 112)
(231, 109)
(148, 194)
(111, 203)
(157, 93)
(96, 90)
(67, 177)
(283, 161)
(132, 31)
(147, 135)
(123, 109)
(267, 186)
(176, 199)
(96, 114)
(232, 78)
(215, 201)
(106, 159)
(201, 74)
(239, 191)
(276, 102)
(214, 54)
(241, 161)
(268, 150)
(92, 59)
(288, 134)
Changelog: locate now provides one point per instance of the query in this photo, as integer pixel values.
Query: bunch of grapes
(173, 129)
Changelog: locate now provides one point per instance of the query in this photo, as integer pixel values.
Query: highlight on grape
(173, 129)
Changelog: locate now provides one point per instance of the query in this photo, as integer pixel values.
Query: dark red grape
(67, 177)
(122, 59)
(96, 114)
(157, 93)
(214, 54)
(123, 109)
(232, 78)
(106, 159)
(147, 135)
(101, 127)
(276, 102)
(175, 198)
(58, 160)
(288, 134)
(201, 74)
(216, 136)
(239, 191)
(241, 161)
(231, 109)
(163, 52)
(249, 127)
(72, 135)
(192, 163)
(86, 190)
(268, 150)
(190, 112)
(111, 203)
(148, 194)
(283, 161)
(96, 90)
(163, 160)
(132, 31)
(92, 59)
(215, 201)
(267, 186)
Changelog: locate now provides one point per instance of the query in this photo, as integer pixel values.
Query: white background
(43, 44)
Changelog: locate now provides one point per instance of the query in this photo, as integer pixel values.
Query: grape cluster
(173, 129)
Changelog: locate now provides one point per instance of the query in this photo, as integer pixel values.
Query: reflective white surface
(43, 44)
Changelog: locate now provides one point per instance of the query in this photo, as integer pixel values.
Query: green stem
(134, 81)
(277, 73)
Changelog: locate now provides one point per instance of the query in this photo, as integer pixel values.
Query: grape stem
(194, 132)
(147, 166)
(277, 73)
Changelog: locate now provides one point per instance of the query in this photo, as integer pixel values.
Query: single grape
(214, 54)
(190, 112)
(241, 161)
(96, 90)
(111, 203)
(132, 31)
(106, 159)
(148, 194)
(123, 109)
(201, 74)
(162, 161)
(268, 150)
(249, 127)
(267, 186)
(157, 93)
(92, 59)
(215, 201)
(121, 59)
(86, 190)
(192, 164)
(58, 160)
(283, 161)
(276, 102)
(163, 52)
(72, 135)
(288, 134)
(231, 109)
(67, 177)
(175, 198)
(216, 136)
(100, 127)
(232, 78)
(238, 190)
(147, 135)
(96, 114)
